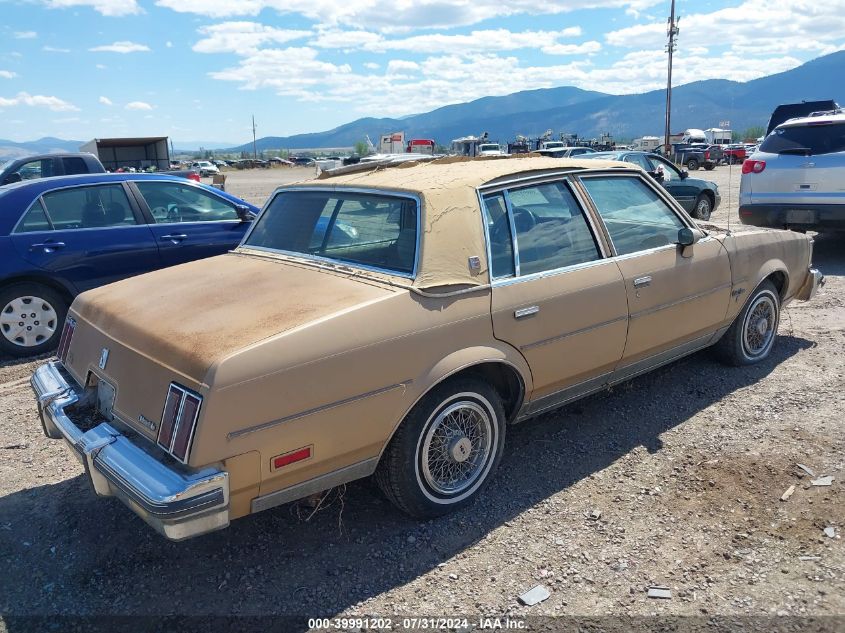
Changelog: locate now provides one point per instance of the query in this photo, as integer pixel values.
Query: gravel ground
(673, 479)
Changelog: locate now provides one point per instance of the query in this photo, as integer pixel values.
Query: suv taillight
(178, 421)
(753, 166)
(64, 342)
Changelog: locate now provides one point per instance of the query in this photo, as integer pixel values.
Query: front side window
(635, 215)
(89, 207)
(551, 229)
(370, 230)
(176, 202)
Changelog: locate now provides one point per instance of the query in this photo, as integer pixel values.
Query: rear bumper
(806, 216)
(815, 280)
(177, 501)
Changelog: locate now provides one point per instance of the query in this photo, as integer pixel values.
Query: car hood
(188, 317)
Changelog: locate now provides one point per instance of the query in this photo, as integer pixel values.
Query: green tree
(755, 132)
(361, 148)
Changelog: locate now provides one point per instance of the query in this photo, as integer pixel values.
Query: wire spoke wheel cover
(457, 448)
(759, 326)
(28, 321)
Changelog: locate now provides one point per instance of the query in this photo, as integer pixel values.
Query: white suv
(796, 179)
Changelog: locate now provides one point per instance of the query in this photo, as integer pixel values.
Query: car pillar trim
(332, 405)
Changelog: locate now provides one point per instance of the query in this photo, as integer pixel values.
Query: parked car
(698, 197)
(48, 165)
(795, 179)
(696, 156)
(302, 361)
(733, 154)
(205, 168)
(565, 152)
(62, 236)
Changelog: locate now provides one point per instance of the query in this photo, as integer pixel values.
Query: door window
(635, 215)
(639, 160)
(35, 219)
(501, 241)
(176, 202)
(35, 169)
(74, 165)
(89, 207)
(551, 229)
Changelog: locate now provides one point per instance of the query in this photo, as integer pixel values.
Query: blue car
(61, 236)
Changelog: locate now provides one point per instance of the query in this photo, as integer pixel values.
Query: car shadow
(68, 552)
(829, 253)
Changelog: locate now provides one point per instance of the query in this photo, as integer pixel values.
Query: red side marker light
(285, 459)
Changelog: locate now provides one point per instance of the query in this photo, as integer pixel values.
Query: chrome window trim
(552, 175)
(583, 207)
(235, 221)
(387, 193)
(90, 228)
(485, 220)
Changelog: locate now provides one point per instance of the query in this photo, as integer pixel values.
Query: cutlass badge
(104, 358)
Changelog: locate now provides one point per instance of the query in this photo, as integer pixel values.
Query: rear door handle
(526, 312)
(642, 282)
(175, 237)
(47, 247)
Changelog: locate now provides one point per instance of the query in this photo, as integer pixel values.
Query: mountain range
(701, 104)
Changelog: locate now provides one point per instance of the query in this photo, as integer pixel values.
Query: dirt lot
(673, 479)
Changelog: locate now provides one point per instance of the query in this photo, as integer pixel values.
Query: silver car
(796, 179)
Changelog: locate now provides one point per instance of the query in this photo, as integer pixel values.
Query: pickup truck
(65, 164)
(694, 156)
(46, 165)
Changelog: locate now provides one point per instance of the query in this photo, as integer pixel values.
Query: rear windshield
(821, 138)
(369, 230)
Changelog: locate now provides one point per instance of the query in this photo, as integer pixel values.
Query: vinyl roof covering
(452, 222)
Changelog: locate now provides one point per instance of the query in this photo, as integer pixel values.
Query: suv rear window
(816, 138)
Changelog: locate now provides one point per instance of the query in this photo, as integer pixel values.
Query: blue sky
(198, 69)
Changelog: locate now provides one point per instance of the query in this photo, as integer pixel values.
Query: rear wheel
(31, 318)
(445, 450)
(692, 164)
(752, 335)
(702, 208)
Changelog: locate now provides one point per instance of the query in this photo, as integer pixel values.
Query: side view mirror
(684, 174)
(687, 238)
(13, 177)
(244, 214)
(657, 175)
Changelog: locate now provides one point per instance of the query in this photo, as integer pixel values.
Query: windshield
(488, 148)
(364, 229)
(817, 138)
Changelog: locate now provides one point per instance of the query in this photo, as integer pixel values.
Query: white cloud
(105, 101)
(38, 101)
(487, 40)
(111, 8)
(53, 49)
(138, 105)
(168, 44)
(25, 35)
(372, 66)
(120, 47)
(391, 15)
(8, 74)
(101, 67)
(242, 37)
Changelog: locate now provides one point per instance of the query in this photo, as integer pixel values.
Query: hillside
(700, 104)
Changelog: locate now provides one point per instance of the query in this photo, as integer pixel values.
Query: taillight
(753, 166)
(195, 176)
(64, 342)
(178, 421)
(707, 155)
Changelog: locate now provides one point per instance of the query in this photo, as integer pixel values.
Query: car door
(674, 182)
(676, 298)
(188, 221)
(555, 298)
(89, 235)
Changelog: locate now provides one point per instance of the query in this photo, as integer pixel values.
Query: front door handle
(47, 247)
(525, 312)
(642, 282)
(174, 237)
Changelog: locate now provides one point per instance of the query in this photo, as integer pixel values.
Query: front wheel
(752, 335)
(692, 164)
(31, 318)
(445, 450)
(702, 208)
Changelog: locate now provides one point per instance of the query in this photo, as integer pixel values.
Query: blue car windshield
(363, 229)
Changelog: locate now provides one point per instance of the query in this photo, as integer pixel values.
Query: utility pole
(255, 151)
(672, 32)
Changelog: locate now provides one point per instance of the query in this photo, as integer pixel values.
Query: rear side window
(74, 165)
(89, 207)
(813, 139)
(501, 241)
(34, 220)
